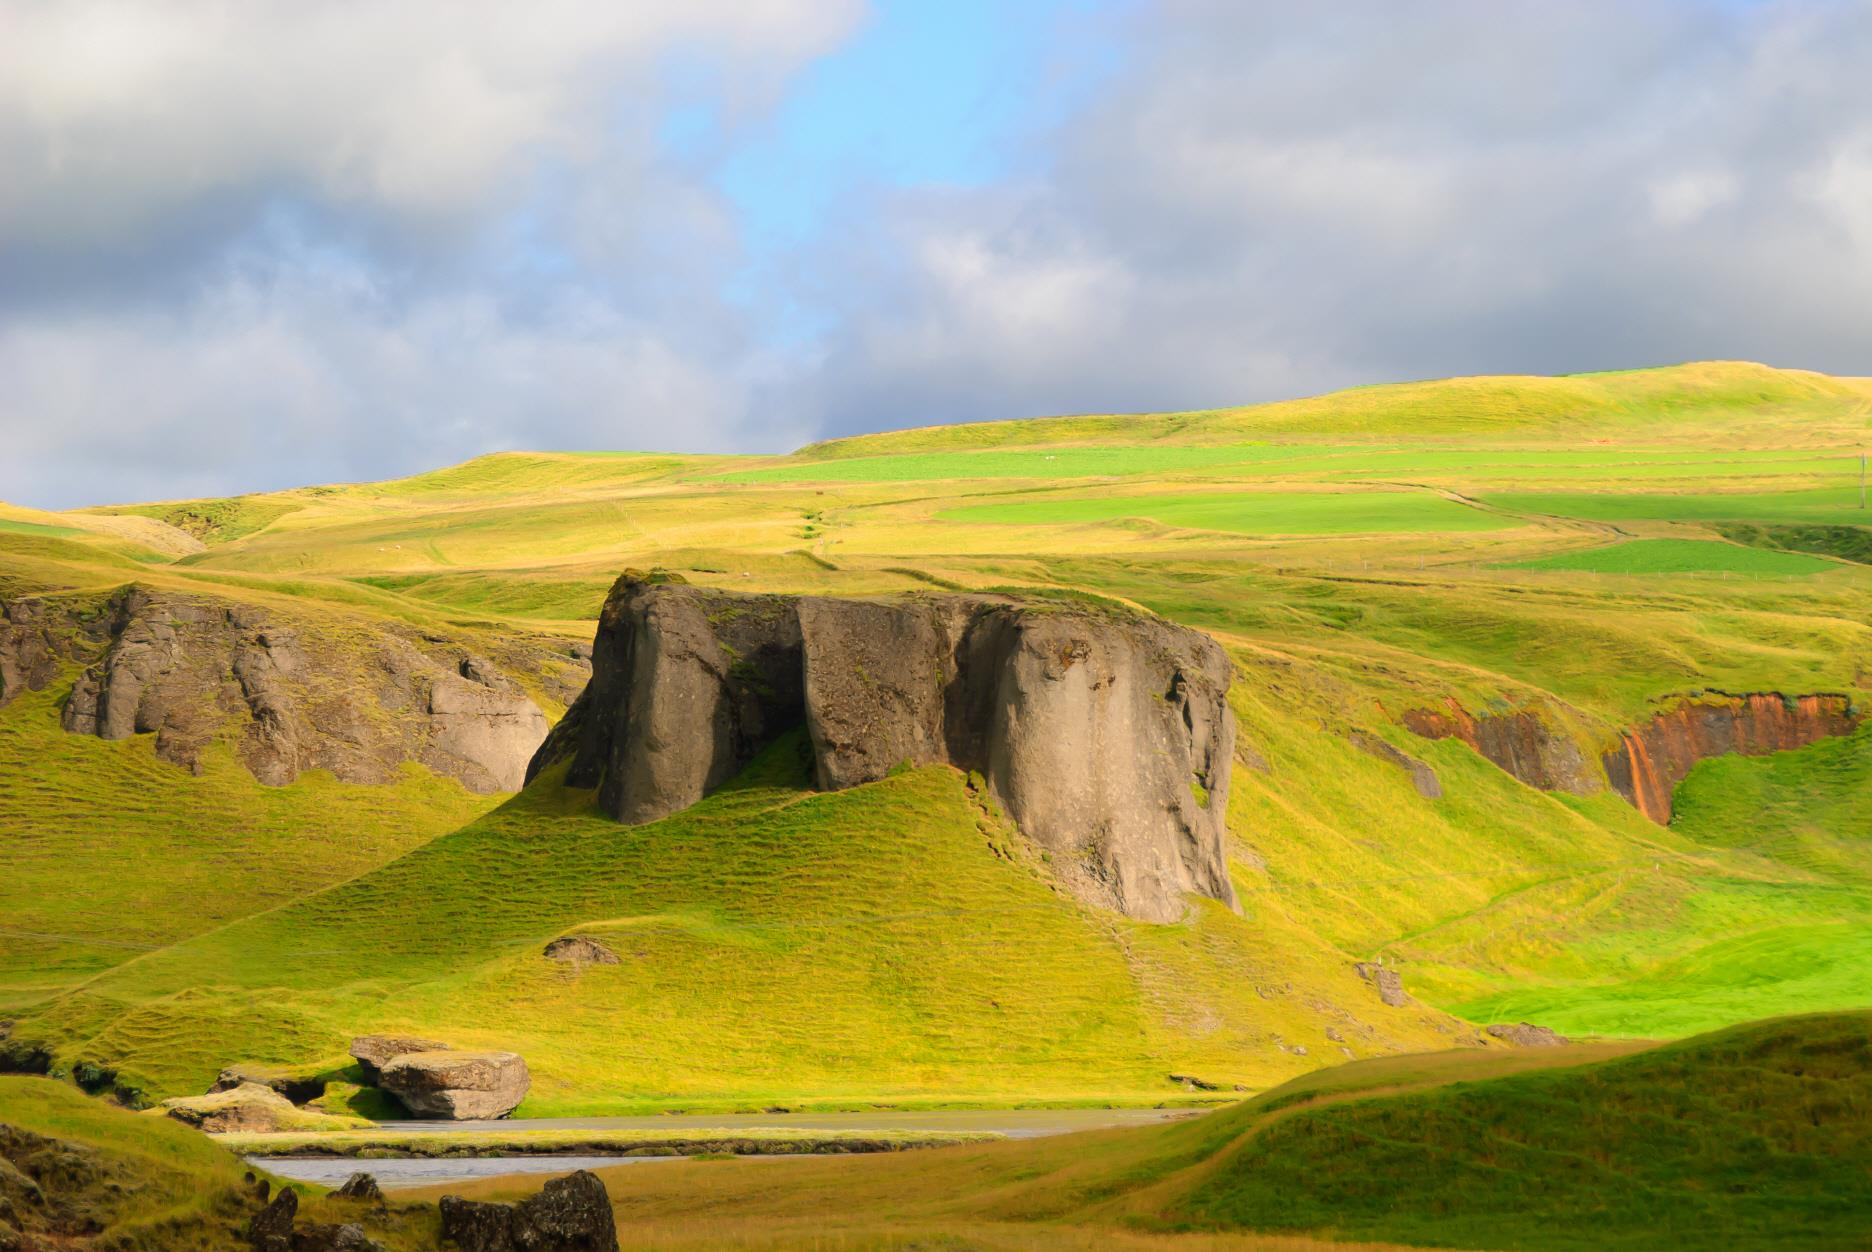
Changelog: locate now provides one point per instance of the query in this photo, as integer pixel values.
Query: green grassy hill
(1752, 1137)
(1584, 548)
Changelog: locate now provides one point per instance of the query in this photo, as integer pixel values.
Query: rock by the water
(1390, 986)
(1106, 735)
(360, 1186)
(373, 1052)
(299, 695)
(570, 1214)
(1527, 1035)
(580, 950)
(459, 1086)
(248, 1107)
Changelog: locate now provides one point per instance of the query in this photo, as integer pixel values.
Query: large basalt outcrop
(1520, 741)
(298, 695)
(1106, 736)
(1652, 759)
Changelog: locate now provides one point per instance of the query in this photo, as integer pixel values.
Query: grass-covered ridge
(875, 946)
(1754, 1137)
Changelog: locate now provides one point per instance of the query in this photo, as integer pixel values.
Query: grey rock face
(570, 1214)
(1106, 736)
(30, 649)
(305, 696)
(460, 1086)
(1389, 984)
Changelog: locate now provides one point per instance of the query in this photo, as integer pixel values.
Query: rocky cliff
(1652, 759)
(294, 695)
(1106, 736)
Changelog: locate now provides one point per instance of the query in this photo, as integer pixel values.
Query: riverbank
(390, 1144)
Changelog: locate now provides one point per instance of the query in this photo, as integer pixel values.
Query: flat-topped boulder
(457, 1085)
(373, 1052)
(1104, 733)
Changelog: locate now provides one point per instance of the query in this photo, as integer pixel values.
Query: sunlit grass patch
(1679, 556)
(1267, 513)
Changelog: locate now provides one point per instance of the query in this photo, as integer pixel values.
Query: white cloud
(116, 112)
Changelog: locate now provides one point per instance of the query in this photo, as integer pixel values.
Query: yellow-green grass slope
(1758, 1136)
(1341, 610)
(113, 1179)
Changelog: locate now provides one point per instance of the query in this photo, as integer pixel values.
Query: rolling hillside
(1555, 556)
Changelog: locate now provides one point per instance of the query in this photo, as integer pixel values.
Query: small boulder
(459, 1086)
(577, 950)
(1390, 985)
(570, 1214)
(297, 1090)
(248, 1107)
(360, 1186)
(373, 1052)
(1526, 1035)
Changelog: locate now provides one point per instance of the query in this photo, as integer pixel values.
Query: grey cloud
(1278, 199)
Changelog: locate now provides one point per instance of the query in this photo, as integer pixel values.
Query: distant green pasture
(1836, 505)
(1058, 462)
(1262, 513)
(1679, 556)
(9, 527)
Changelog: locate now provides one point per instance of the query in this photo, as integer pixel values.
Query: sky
(252, 244)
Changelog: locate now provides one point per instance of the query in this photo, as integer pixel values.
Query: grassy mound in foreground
(1758, 1136)
(132, 1182)
(1755, 1137)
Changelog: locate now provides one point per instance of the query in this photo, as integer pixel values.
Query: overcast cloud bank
(249, 246)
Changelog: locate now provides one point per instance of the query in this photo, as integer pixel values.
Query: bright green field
(1680, 556)
(1272, 513)
(1836, 505)
(896, 943)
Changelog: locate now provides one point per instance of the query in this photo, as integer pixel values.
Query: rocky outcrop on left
(294, 695)
(1105, 735)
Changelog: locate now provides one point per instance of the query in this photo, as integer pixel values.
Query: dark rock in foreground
(1106, 735)
(273, 1229)
(570, 1214)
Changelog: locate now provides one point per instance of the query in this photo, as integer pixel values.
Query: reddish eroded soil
(1520, 742)
(1652, 759)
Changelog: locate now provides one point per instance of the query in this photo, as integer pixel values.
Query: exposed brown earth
(1521, 742)
(1653, 758)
